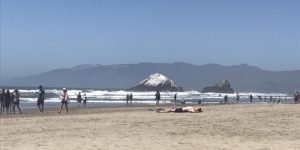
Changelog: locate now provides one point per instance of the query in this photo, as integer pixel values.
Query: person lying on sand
(190, 109)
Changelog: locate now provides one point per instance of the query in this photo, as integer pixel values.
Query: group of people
(129, 98)
(9, 101)
(65, 100)
(64, 97)
(80, 99)
(271, 98)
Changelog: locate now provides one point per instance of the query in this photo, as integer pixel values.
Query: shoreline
(53, 110)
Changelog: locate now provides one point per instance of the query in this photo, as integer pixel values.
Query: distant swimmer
(64, 100)
(41, 99)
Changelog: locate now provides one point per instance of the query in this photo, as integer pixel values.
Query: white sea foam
(105, 96)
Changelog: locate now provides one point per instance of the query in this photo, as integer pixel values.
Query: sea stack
(223, 87)
(157, 82)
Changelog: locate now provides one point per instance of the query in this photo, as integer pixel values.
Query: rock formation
(157, 82)
(223, 87)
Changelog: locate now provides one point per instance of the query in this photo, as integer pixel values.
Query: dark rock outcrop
(157, 82)
(223, 87)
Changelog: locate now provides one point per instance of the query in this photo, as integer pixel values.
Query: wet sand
(251, 126)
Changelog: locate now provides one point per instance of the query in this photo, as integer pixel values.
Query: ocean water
(118, 97)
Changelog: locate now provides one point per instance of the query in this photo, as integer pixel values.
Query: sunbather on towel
(190, 109)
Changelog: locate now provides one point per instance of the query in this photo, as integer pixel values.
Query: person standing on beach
(17, 101)
(251, 98)
(175, 98)
(11, 104)
(157, 98)
(295, 97)
(41, 99)
(127, 99)
(64, 100)
(226, 99)
(79, 99)
(84, 100)
(2, 100)
(237, 97)
(298, 97)
(271, 98)
(7, 101)
(130, 98)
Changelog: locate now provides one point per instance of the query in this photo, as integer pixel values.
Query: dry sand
(256, 126)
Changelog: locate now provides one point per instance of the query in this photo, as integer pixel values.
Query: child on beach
(64, 100)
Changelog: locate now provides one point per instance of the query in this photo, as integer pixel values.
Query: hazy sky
(40, 35)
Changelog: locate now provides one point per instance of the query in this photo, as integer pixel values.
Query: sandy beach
(251, 126)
